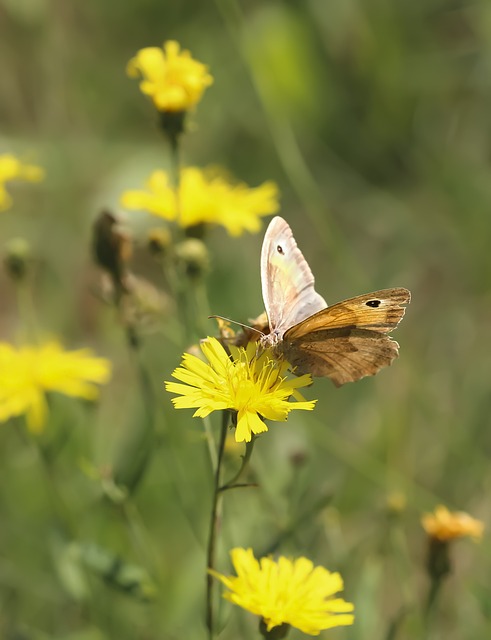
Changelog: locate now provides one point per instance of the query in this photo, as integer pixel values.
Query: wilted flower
(112, 249)
(28, 373)
(287, 592)
(255, 387)
(445, 525)
(442, 527)
(170, 77)
(11, 168)
(205, 197)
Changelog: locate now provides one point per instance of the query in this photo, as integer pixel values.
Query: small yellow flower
(205, 197)
(292, 592)
(255, 387)
(444, 525)
(11, 168)
(28, 373)
(171, 77)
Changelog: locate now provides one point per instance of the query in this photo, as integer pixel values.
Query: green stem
(232, 483)
(202, 306)
(213, 530)
(175, 163)
(26, 311)
(137, 449)
(210, 441)
(175, 277)
(430, 606)
(58, 506)
(396, 623)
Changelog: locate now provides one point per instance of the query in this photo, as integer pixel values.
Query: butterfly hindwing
(342, 354)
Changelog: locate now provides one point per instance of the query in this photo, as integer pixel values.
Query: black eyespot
(279, 249)
(373, 303)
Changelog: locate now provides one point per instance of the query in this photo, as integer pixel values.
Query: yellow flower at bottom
(444, 525)
(28, 373)
(205, 196)
(255, 387)
(11, 168)
(171, 77)
(290, 592)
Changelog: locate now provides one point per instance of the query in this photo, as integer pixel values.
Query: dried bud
(298, 458)
(193, 254)
(112, 249)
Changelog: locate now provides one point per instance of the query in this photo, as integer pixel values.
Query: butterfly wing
(287, 281)
(349, 340)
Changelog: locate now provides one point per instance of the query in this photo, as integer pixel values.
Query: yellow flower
(205, 197)
(171, 77)
(292, 592)
(28, 373)
(255, 387)
(11, 168)
(444, 525)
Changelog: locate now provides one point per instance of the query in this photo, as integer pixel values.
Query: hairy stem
(213, 531)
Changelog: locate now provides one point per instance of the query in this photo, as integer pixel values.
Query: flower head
(28, 373)
(444, 525)
(255, 387)
(205, 197)
(292, 592)
(171, 77)
(11, 168)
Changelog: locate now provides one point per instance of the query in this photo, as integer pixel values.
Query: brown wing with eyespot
(380, 311)
(347, 341)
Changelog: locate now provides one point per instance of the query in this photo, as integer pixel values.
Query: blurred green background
(374, 119)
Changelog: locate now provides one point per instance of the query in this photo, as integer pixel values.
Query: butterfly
(344, 342)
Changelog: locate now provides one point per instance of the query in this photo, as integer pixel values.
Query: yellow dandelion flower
(205, 196)
(158, 197)
(444, 525)
(11, 168)
(28, 373)
(255, 387)
(170, 77)
(291, 592)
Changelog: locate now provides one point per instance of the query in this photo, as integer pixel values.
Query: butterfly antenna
(246, 326)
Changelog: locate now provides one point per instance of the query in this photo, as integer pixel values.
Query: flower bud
(193, 255)
(17, 258)
(159, 241)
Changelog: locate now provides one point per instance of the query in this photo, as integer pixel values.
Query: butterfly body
(344, 342)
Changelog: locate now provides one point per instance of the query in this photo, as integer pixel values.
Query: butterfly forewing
(380, 311)
(287, 281)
